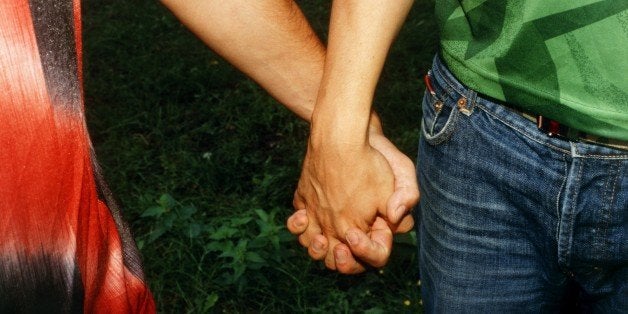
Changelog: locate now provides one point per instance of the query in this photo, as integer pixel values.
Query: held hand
(373, 248)
(406, 188)
(342, 189)
(345, 183)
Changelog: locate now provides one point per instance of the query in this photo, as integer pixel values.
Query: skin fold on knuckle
(315, 255)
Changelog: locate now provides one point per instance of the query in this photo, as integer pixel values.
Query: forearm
(360, 35)
(270, 41)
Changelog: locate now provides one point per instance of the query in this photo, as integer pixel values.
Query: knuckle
(361, 250)
(415, 197)
(292, 228)
(412, 196)
(315, 255)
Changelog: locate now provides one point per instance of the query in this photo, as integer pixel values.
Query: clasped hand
(350, 200)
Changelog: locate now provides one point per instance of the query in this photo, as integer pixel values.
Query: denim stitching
(560, 192)
(434, 122)
(450, 87)
(571, 214)
(446, 132)
(604, 157)
(449, 127)
(523, 132)
(472, 100)
(530, 136)
(609, 210)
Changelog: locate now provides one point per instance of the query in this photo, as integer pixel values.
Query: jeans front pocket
(439, 117)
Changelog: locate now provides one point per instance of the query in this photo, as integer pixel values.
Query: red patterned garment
(63, 245)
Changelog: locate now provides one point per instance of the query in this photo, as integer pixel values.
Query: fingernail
(299, 223)
(317, 246)
(352, 238)
(341, 257)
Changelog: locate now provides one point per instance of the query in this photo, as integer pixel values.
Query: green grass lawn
(204, 164)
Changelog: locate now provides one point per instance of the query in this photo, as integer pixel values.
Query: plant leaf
(223, 232)
(194, 230)
(187, 211)
(167, 201)
(253, 257)
(154, 211)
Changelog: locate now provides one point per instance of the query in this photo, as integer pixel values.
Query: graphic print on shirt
(546, 57)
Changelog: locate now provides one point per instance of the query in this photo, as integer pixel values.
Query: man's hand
(345, 183)
(373, 248)
(335, 202)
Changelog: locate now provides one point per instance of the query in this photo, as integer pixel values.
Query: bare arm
(345, 183)
(360, 35)
(272, 42)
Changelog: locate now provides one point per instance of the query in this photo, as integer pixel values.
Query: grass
(204, 163)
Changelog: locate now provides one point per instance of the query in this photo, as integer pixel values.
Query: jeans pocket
(439, 118)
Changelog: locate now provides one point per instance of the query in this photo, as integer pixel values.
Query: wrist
(337, 133)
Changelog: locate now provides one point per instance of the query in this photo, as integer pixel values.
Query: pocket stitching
(445, 133)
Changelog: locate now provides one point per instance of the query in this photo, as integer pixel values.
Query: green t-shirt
(566, 60)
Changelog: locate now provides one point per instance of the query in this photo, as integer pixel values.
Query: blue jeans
(512, 220)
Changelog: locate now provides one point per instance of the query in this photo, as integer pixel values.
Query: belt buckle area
(554, 128)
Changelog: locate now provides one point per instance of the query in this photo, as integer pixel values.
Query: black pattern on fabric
(54, 30)
(39, 284)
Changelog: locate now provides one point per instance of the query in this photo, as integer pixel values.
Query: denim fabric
(514, 221)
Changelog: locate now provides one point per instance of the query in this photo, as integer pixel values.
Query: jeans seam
(558, 197)
(568, 222)
(608, 210)
(523, 132)
(604, 157)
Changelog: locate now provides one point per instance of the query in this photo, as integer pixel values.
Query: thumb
(403, 199)
(406, 188)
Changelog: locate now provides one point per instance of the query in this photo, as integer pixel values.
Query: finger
(330, 259)
(311, 231)
(403, 199)
(406, 224)
(319, 247)
(297, 201)
(374, 248)
(345, 261)
(297, 222)
(406, 191)
(309, 234)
